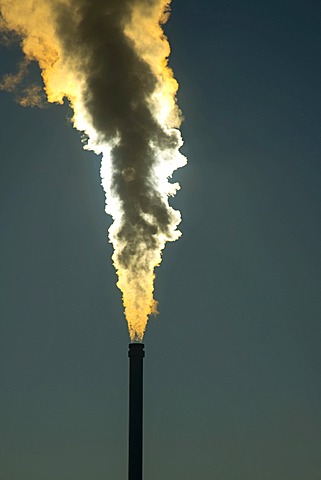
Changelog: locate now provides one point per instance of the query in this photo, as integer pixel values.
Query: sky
(232, 367)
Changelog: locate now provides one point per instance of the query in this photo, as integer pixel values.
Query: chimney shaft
(135, 461)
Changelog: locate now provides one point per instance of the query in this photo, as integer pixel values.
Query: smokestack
(135, 459)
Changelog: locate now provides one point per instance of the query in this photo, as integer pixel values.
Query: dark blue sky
(232, 369)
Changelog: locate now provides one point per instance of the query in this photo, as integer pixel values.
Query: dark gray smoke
(118, 86)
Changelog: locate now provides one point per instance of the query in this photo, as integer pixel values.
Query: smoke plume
(109, 59)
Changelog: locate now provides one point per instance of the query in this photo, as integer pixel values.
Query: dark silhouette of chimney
(135, 459)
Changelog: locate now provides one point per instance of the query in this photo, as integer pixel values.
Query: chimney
(135, 460)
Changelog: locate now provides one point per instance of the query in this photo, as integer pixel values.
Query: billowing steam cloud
(109, 59)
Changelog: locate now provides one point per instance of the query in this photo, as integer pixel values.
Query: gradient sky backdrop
(232, 368)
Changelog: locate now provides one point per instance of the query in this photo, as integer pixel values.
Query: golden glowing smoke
(109, 59)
